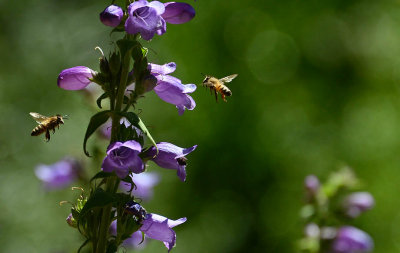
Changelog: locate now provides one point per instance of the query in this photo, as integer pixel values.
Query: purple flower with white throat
(144, 183)
(122, 158)
(357, 203)
(145, 18)
(170, 89)
(159, 228)
(75, 78)
(112, 16)
(58, 175)
(171, 156)
(352, 240)
(178, 13)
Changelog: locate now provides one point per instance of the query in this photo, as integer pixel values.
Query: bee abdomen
(226, 91)
(38, 130)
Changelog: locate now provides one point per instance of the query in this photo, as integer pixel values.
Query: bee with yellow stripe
(218, 85)
(46, 124)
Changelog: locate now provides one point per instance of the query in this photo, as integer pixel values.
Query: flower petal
(165, 69)
(158, 6)
(178, 13)
(75, 78)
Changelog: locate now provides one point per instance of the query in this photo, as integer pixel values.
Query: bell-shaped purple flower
(58, 175)
(144, 183)
(171, 156)
(112, 16)
(145, 18)
(178, 13)
(352, 240)
(122, 158)
(159, 228)
(357, 203)
(170, 89)
(75, 78)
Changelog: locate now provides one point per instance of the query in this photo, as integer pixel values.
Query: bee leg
(223, 97)
(216, 96)
(47, 135)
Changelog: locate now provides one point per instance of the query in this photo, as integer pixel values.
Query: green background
(318, 88)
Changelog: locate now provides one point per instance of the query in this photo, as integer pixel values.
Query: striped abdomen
(38, 130)
(223, 89)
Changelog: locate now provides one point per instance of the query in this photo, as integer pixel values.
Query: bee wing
(39, 118)
(228, 79)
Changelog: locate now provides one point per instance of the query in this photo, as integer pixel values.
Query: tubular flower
(178, 13)
(58, 175)
(75, 78)
(170, 89)
(112, 16)
(159, 228)
(144, 183)
(171, 157)
(145, 18)
(352, 240)
(122, 158)
(358, 202)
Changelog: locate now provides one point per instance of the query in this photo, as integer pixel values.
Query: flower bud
(358, 202)
(112, 16)
(71, 221)
(178, 13)
(311, 183)
(75, 78)
(350, 239)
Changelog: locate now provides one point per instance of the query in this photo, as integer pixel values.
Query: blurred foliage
(318, 88)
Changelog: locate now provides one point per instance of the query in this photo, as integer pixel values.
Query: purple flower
(112, 16)
(358, 202)
(122, 158)
(75, 78)
(178, 13)
(170, 89)
(144, 185)
(159, 228)
(145, 18)
(352, 240)
(58, 175)
(132, 242)
(171, 157)
(312, 185)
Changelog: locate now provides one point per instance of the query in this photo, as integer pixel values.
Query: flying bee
(46, 124)
(218, 85)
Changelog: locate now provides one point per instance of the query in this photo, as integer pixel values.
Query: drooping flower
(58, 175)
(144, 185)
(171, 156)
(122, 158)
(352, 240)
(178, 13)
(112, 16)
(145, 18)
(159, 228)
(170, 89)
(357, 203)
(75, 78)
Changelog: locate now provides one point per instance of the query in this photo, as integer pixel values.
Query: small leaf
(125, 45)
(137, 122)
(103, 96)
(95, 122)
(99, 198)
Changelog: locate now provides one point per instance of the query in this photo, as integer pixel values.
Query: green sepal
(98, 198)
(95, 122)
(125, 45)
(115, 63)
(103, 96)
(101, 174)
(137, 122)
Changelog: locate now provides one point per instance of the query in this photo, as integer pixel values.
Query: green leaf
(101, 174)
(137, 122)
(103, 96)
(95, 122)
(125, 45)
(98, 198)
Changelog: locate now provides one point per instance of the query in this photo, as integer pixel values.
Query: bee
(46, 124)
(218, 85)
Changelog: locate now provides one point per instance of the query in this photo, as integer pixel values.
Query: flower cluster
(326, 205)
(122, 181)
